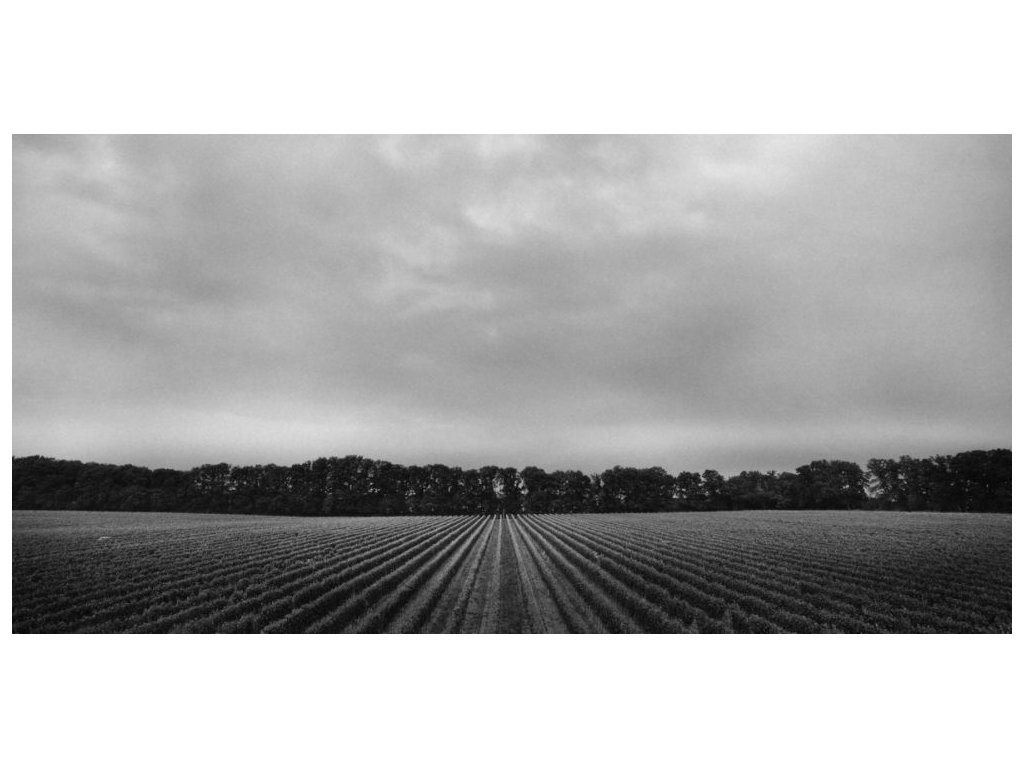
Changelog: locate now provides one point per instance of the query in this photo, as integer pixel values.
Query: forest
(971, 481)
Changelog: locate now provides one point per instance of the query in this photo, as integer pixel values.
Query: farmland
(760, 572)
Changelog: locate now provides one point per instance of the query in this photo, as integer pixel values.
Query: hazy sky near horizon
(570, 302)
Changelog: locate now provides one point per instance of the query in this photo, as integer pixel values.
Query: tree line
(973, 481)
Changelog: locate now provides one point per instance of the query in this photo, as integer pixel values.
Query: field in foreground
(666, 572)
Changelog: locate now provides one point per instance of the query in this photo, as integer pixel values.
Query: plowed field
(665, 572)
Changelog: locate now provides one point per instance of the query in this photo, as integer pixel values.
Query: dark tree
(832, 484)
(540, 491)
(752, 490)
(688, 493)
(713, 490)
(973, 481)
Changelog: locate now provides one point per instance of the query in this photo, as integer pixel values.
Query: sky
(569, 302)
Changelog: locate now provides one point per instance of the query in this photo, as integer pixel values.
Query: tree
(983, 480)
(654, 489)
(752, 490)
(511, 492)
(885, 482)
(540, 491)
(713, 490)
(619, 490)
(687, 491)
(833, 484)
(574, 492)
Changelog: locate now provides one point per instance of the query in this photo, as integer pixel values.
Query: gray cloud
(736, 302)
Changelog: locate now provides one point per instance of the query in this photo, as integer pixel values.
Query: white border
(551, 67)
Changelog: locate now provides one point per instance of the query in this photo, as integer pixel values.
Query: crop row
(268, 560)
(515, 573)
(827, 582)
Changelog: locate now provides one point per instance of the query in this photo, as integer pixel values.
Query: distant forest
(973, 481)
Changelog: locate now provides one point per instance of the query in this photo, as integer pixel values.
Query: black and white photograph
(512, 384)
(542, 384)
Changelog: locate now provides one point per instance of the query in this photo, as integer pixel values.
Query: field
(666, 572)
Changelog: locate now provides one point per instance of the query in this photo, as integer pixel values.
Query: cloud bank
(570, 302)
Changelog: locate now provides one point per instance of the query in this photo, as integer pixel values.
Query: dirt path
(491, 608)
(512, 616)
(542, 611)
(482, 600)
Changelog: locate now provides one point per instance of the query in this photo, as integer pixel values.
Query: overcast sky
(569, 302)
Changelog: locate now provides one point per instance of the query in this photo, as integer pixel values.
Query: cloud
(561, 301)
